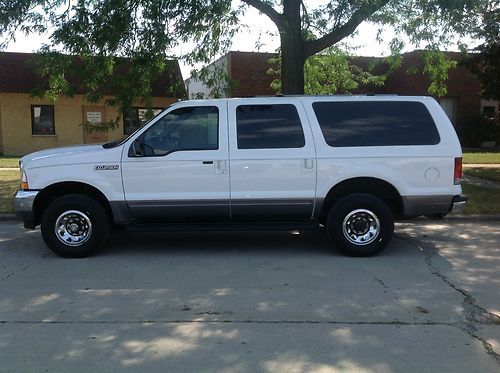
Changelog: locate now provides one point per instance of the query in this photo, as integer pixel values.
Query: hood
(77, 154)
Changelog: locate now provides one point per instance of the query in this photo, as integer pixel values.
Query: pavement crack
(13, 273)
(225, 321)
(473, 313)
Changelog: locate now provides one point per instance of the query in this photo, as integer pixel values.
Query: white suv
(350, 163)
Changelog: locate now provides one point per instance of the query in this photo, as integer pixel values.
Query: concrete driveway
(247, 302)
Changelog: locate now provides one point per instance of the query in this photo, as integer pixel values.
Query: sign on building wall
(94, 117)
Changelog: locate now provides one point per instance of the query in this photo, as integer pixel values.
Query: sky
(255, 30)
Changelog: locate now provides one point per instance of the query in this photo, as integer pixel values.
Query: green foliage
(477, 130)
(146, 31)
(114, 49)
(330, 72)
(436, 65)
(485, 62)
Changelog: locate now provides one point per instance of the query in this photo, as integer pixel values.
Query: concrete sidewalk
(481, 165)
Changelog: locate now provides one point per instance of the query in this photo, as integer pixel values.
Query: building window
(489, 111)
(489, 108)
(136, 117)
(449, 106)
(42, 120)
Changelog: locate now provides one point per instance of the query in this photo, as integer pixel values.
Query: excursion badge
(106, 167)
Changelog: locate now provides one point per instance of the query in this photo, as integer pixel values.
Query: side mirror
(136, 149)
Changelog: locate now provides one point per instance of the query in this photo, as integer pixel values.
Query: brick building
(28, 124)
(462, 102)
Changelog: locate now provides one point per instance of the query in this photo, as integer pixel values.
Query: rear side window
(268, 127)
(376, 123)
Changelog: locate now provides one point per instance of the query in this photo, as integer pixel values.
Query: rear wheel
(360, 224)
(73, 226)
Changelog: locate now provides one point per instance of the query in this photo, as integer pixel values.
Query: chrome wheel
(73, 228)
(361, 227)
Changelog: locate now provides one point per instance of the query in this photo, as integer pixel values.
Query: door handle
(208, 162)
(308, 163)
(221, 167)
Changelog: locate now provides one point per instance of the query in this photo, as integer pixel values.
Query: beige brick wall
(15, 122)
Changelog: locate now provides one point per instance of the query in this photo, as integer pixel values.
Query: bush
(478, 130)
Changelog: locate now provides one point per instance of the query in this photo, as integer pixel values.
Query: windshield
(114, 144)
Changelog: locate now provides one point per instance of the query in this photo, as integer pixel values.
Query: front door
(93, 117)
(177, 168)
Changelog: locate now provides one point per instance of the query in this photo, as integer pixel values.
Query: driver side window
(188, 128)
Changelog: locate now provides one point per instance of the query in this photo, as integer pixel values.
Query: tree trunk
(292, 50)
(292, 66)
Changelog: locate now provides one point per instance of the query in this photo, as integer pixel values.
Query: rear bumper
(23, 207)
(430, 205)
(458, 203)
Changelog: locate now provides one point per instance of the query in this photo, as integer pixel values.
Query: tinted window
(188, 128)
(376, 123)
(268, 127)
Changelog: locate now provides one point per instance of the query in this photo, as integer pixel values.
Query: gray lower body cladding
(427, 205)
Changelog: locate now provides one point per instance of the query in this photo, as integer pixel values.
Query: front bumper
(23, 206)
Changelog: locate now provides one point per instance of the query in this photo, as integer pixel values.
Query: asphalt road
(249, 302)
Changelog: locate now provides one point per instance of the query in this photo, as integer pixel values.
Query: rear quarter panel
(421, 170)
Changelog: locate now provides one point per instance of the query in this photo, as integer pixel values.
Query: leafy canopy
(486, 62)
(147, 31)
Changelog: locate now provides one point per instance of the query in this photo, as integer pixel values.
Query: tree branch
(269, 11)
(337, 34)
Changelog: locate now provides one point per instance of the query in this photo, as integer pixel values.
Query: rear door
(272, 159)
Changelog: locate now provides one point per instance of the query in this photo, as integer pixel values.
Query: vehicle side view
(353, 164)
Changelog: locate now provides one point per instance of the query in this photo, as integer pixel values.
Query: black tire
(83, 222)
(360, 225)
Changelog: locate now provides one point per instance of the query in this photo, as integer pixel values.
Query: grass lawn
(481, 157)
(482, 200)
(9, 181)
(492, 174)
(9, 162)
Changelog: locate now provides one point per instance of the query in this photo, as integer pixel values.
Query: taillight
(457, 175)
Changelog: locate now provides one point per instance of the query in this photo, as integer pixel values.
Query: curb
(9, 217)
(454, 218)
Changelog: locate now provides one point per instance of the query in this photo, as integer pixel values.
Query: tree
(329, 72)
(485, 63)
(145, 31)
(89, 40)
(430, 21)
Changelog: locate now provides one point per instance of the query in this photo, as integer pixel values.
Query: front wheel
(360, 224)
(73, 226)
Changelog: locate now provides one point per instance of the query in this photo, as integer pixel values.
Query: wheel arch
(50, 193)
(369, 185)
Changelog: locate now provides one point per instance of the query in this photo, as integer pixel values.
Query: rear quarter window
(376, 123)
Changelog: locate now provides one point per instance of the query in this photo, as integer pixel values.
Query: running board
(224, 226)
